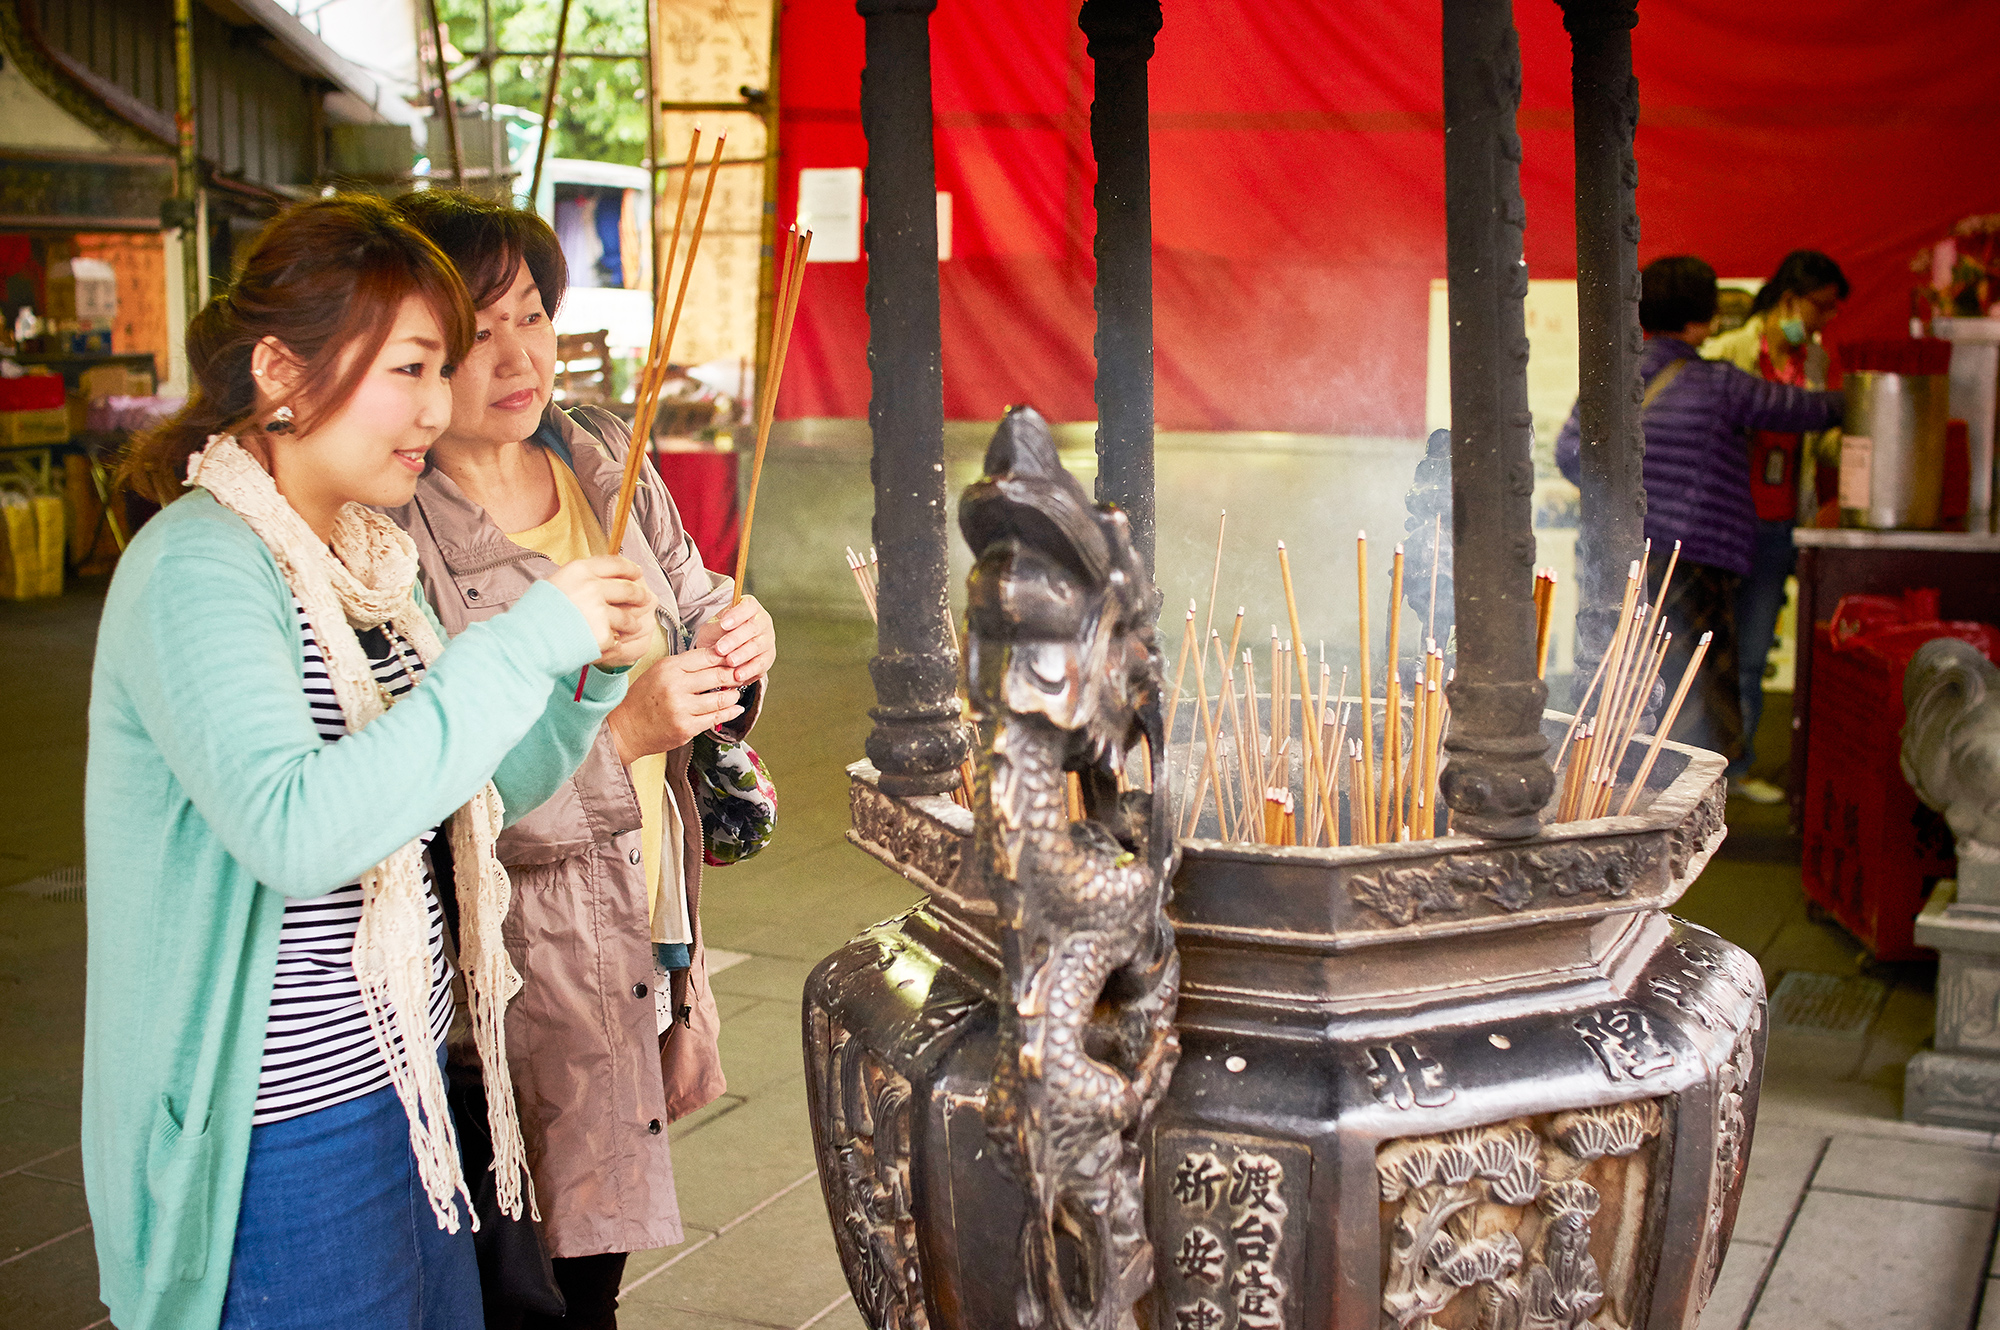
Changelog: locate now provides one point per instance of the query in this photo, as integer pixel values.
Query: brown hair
(325, 278)
(488, 241)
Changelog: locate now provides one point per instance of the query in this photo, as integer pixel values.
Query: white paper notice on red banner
(830, 207)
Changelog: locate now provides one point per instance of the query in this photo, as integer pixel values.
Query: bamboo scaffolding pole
(548, 108)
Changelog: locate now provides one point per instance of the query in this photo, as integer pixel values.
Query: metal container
(1892, 450)
(1451, 1083)
(1975, 387)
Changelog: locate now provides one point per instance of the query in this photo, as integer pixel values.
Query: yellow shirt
(573, 533)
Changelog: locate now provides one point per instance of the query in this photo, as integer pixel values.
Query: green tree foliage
(601, 110)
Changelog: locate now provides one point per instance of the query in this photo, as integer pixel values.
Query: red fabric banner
(1298, 185)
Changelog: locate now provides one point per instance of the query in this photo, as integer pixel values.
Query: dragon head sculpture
(1060, 620)
(1063, 675)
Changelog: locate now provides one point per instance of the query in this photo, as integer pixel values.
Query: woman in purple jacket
(1697, 473)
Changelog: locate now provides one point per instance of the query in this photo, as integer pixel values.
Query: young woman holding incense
(615, 1035)
(265, 1134)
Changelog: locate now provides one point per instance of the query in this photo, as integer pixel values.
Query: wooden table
(1965, 568)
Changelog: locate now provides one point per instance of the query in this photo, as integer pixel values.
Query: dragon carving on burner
(1063, 677)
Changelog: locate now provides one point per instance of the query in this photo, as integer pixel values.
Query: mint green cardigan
(209, 799)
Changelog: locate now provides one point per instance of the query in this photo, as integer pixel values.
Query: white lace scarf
(365, 581)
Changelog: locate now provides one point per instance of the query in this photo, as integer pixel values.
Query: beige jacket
(596, 1084)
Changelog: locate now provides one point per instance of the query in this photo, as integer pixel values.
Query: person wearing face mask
(615, 1036)
(1779, 342)
(279, 741)
(1694, 413)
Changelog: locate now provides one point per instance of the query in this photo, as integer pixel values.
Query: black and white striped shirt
(318, 1049)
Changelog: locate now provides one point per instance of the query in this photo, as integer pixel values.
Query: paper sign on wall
(830, 206)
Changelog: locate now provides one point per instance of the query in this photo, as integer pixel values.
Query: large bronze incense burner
(1460, 1082)
(1477, 1081)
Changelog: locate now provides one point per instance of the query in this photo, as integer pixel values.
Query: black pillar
(1121, 36)
(1499, 776)
(918, 740)
(1607, 298)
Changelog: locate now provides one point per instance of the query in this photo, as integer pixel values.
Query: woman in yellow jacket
(1780, 342)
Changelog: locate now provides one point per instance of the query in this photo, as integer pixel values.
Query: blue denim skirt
(336, 1232)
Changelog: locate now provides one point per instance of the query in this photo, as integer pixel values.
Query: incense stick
(659, 357)
(1666, 725)
(774, 372)
(1367, 719)
(1305, 688)
(1392, 712)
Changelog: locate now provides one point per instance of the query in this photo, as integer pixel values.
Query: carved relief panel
(1535, 1223)
(866, 1176)
(1228, 1217)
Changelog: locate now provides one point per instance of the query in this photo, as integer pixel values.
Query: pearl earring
(280, 421)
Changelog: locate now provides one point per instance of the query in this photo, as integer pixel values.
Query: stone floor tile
(1903, 1026)
(1910, 1170)
(1802, 944)
(33, 1210)
(1857, 1263)
(1804, 1101)
(30, 1129)
(844, 1316)
(1746, 903)
(65, 1166)
(54, 1288)
(1782, 1160)
(782, 978)
(706, 1114)
(1736, 1286)
(762, 1049)
(742, 1158)
(635, 1315)
(778, 1267)
(1989, 1306)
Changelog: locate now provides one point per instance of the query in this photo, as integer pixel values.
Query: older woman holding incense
(614, 1035)
(281, 748)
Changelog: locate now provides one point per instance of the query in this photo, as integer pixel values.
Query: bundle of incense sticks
(1274, 756)
(659, 351)
(1594, 747)
(867, 577)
